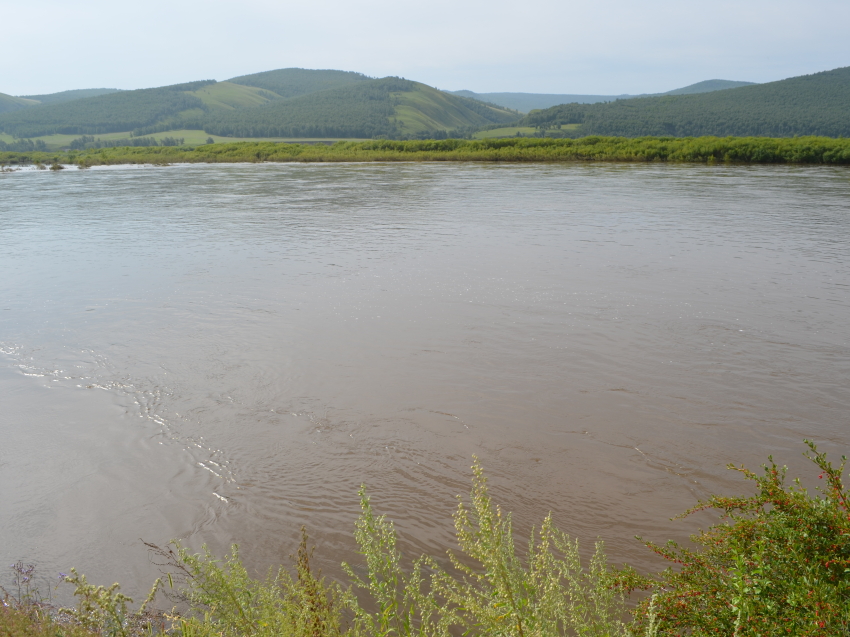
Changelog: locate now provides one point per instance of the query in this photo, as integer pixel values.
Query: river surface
(225, 353)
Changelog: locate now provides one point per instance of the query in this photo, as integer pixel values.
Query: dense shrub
(779, 563)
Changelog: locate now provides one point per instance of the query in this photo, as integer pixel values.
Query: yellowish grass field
(230, 96)
(511, 131)
(508, 131)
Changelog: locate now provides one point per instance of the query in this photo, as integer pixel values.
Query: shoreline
(703, 150)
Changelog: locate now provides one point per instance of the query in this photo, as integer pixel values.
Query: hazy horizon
(609, 48)
(409, 78)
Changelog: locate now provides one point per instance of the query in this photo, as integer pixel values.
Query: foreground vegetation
(757, 150)
(777, 563)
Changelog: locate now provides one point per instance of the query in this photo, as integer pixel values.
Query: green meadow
(190, 137)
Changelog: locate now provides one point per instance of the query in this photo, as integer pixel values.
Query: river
(223, 353)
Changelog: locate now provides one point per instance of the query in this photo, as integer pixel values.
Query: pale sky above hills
(545, 46)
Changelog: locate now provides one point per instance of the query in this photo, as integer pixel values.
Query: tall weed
(105, 610)
(548, 593)
(224, 600)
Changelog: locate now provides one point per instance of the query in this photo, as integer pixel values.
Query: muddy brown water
(224, 353)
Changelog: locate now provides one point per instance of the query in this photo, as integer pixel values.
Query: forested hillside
(69, 96)
(117, 112)
(295, 103)
(297, 82)
(9, 103)
(817, 104)
(282, 103)
(389, 107)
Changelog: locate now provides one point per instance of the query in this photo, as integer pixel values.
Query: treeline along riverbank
(749, 150)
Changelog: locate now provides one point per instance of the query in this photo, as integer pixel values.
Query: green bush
(779, 564)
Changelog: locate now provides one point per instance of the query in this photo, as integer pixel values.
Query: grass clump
(26, 612)
(18, 622)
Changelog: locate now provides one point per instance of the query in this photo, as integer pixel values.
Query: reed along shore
(707, 150)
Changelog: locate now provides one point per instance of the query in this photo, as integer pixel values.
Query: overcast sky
(545, 46)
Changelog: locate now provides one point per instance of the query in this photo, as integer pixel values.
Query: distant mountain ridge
(707, 86)
(816, 104)
(69, 96)
(526, 102)
(9, 103)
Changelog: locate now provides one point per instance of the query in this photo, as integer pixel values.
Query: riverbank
(707, 150)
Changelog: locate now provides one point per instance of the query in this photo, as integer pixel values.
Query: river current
(225, 353)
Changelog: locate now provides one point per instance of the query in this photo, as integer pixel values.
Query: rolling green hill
(297, 103)
(122, 111)
(817, 104)
(525, 102)
(283, 103)
(9, 103)
(389, 107)
(69, 96)
(297, 82)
